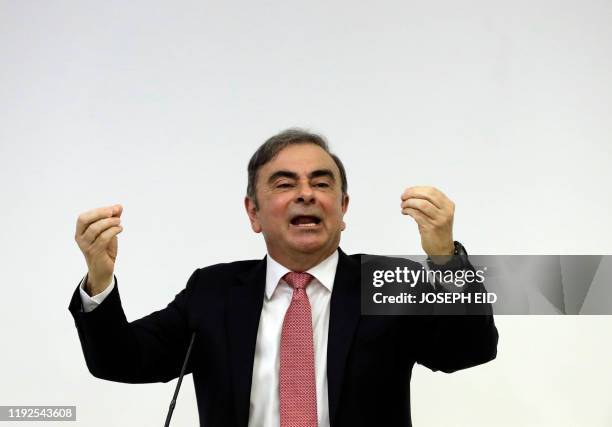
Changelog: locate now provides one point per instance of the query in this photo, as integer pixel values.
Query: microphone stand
(178, 384)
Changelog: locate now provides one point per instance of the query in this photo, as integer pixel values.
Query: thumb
(117, 210)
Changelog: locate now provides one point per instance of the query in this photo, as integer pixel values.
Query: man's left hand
(433, 212)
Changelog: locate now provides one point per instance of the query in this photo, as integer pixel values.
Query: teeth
(310, 224)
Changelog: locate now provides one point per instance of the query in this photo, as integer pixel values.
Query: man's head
(297, 197)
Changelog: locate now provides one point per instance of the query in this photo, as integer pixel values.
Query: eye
(283, 185)
(322, 185)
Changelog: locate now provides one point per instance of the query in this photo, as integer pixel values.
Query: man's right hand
(96, 235)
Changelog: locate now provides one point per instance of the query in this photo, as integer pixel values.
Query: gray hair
(269, 149)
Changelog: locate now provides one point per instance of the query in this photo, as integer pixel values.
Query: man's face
(301, 205)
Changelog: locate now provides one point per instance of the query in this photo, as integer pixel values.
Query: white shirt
(264, 408)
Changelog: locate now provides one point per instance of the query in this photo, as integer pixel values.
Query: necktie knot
(298, 280)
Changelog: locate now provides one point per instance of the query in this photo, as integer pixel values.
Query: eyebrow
(322, 172)
(292, 175)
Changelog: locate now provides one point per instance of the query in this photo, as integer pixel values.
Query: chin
(308, 246)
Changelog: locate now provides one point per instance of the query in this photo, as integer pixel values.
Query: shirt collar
(324, 272)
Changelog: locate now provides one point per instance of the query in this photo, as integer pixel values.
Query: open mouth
(305, 221)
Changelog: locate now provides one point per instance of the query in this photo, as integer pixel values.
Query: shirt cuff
(90, 303)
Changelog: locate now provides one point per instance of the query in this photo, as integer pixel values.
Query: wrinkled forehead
(301, 159)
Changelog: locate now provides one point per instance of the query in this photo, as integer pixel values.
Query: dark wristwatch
(459, 259)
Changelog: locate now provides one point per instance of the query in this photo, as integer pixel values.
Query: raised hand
(433, 212)
(96, 235)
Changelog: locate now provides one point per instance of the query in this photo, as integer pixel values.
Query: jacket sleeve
(453, 342)
(450, 342)
(150, 349)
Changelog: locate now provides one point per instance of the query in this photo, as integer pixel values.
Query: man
(281, 341)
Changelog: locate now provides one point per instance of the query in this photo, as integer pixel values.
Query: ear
(345, 202)
(251, 210)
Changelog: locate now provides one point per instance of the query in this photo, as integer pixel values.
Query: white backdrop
(504, 106)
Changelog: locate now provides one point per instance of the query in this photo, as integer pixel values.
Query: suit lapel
(345, 311)
(244, 309)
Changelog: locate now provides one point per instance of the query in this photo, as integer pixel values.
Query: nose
(305, 194)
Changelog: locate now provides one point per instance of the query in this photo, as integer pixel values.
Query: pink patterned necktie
(298, 392)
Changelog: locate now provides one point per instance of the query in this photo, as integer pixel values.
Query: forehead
(301, 159)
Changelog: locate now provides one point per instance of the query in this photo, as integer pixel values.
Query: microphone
(180, 380)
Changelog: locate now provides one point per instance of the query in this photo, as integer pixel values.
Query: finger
(432, 194)
(415, 190)
(95, 229)
(87, 218)
(117, 210)
(106, 236)
(425, 206)
(418, 216)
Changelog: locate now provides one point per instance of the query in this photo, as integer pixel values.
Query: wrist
(458, 259)
(94, 286)
(443, 255)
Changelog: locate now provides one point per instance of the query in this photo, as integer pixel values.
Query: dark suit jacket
(369, 358)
